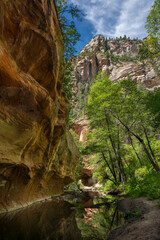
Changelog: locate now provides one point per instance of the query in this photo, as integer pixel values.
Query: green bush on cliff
(123, 58)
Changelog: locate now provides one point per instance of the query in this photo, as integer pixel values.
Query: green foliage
(123, 135)
(124, 122)
(132, 215)
(150, 48)
(87, 53)
(153, 20)
(106, 44)
(144, 183)
(67, 15)
(125, 38)
(70, 33)
(153, 103)
(80, 100)
(68, 81)
(158, 203)
(123, 58)
(100, 221)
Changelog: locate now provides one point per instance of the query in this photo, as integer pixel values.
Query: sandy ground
(146, 227)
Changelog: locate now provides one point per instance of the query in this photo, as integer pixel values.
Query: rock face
(118, 57)
(37, 156)
(80, 127)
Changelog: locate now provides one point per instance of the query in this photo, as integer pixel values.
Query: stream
(63, 218)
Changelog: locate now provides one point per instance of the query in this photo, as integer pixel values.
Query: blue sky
(112, 18)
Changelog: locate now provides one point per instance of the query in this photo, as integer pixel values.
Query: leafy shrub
(132, 215)
(144, 183)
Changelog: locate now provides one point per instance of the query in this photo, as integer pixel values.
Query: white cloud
(132, 18)
(116, 17)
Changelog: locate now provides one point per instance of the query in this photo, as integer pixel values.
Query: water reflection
(50, 220)
(97, 220)
(89, 219)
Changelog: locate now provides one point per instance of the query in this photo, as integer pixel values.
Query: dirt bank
(146, 227)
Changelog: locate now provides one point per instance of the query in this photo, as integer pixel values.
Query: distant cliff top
(119, 58)
(118, 46)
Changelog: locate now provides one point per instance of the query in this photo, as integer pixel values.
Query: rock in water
(37, 155)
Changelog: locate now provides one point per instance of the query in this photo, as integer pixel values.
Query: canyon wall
(37, 155)
(118, 57)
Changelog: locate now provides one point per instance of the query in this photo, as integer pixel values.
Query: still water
(89, 218)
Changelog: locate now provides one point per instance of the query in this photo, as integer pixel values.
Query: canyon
(119, 58)
(38, 155)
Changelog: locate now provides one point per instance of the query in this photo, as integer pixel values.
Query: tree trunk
(112, 161)
(115, 182)
(120, 160)
(121, 176)
(135, 150)
(154, 164)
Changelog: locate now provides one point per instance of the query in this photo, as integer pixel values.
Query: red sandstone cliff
(37, 155)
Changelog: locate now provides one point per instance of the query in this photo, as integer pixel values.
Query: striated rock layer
(37, 155)
(118, 58)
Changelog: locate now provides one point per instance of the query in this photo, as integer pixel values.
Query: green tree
(67, 15)
(153, 20)
(150, 48)
(106, 139)
(118, 113)
(153, 103)
(68, 81)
